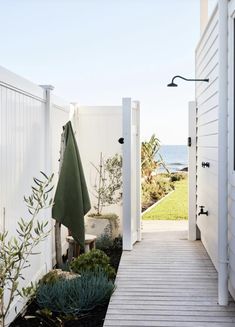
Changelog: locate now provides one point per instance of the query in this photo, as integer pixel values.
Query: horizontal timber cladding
(207, 135)
(231, 143)
(23, 154)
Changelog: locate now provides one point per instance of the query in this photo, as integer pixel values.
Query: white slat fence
(31, 121)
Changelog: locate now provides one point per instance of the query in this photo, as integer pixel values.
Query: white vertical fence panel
(23, 154)
(97, 129)
(22, 157)
(192, 215)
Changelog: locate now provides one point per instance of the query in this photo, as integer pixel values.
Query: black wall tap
(202, 212)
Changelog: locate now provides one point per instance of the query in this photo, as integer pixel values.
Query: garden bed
(161, 185)
(33, 317)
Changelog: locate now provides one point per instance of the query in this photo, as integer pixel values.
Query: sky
(95, 52)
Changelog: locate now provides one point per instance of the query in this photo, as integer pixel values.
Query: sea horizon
(175, 156)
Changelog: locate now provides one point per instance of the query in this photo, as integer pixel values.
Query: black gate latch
(121, 140)
(189, 141)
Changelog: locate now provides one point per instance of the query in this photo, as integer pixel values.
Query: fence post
(126, 172)
(138, 173)
(48, 166)
(192, 173)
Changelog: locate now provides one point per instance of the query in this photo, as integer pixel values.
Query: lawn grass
(174, 206)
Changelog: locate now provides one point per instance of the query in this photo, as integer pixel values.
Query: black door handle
(121, 140)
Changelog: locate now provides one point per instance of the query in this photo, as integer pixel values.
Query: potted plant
(107, 191)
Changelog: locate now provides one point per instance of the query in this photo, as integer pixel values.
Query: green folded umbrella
(71, 200)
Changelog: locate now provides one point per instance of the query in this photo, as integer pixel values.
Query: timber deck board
(167, 281)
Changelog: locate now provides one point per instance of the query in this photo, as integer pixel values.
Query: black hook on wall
(205, 164)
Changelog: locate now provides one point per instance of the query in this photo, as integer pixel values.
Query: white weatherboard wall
(207, 65)
(29, 143)
(207, 135)
(97, 129)
(231, 154)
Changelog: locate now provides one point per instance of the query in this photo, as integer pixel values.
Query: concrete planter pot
(106, 224)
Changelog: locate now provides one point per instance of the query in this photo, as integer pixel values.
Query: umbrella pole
(58, 246)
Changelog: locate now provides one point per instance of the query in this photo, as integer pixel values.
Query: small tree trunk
(100, 183)
(58, 246)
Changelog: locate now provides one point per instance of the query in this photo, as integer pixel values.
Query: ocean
(174, 156)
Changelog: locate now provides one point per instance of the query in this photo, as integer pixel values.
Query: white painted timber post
(126, 171)
(138, 172)
(192, 215)
(203, 15)
(223, 294)
(48, 168)
(74, 116)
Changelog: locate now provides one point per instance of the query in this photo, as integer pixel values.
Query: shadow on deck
(167, 281)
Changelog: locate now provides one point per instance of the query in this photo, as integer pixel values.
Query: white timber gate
(192, 177)
(131, 173)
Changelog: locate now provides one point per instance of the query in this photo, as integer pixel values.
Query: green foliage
(117, 243)
(146, 200)
(50, 278)
(56, 274)
(174, 177)
(15, 251)
(77, 295)
(157, 189)
(111, 247)
(154, 186)
(105, 242)
(46, 312)
(149, 163)
(93, 261)
(108, 182)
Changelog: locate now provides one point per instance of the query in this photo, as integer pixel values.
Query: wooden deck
(167, 281)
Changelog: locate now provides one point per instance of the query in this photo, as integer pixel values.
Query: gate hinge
(189, 141)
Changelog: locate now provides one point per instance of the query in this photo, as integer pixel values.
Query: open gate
(131, 173)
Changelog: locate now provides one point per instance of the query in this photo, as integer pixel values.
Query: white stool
(74, 248)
